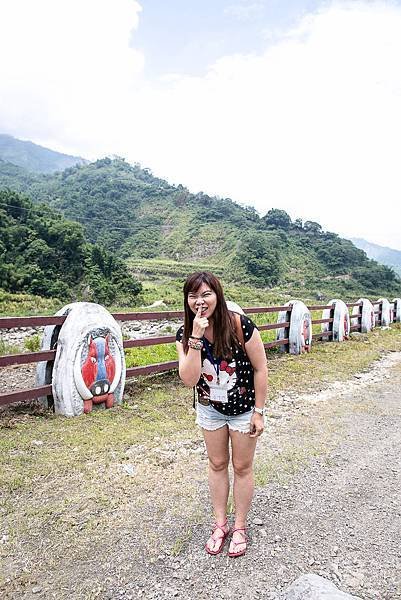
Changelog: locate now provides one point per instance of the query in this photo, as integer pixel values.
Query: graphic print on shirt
(240, 388)
(227, 373)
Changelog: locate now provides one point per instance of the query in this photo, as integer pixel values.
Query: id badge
(218, 394)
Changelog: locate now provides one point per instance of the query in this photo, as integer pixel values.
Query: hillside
(162, 228)
(33, 157)
(383, 255)
(42, 253)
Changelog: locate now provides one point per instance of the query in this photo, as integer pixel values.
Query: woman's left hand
(257, 425)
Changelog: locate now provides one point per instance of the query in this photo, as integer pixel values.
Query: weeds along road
(116, 506)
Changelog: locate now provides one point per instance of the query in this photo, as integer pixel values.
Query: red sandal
(245, 541)
(218, 538)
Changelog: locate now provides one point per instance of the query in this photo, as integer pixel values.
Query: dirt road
(328, 501)
(339, 516)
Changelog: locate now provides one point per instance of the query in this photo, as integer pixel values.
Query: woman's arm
(190, 364)
(189, 367)
(256, 354)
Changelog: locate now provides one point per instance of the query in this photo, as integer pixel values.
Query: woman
(222, 354)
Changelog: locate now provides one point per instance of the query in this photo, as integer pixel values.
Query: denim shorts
(211, 419)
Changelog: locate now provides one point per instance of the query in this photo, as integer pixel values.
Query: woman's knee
(242, 469)
(218, 463)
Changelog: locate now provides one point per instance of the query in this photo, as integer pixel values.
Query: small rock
(129, 469)
(37, 442)
(36, 589)
(314, 587)
(258, 521)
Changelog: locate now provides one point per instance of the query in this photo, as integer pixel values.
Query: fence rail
(49, 355)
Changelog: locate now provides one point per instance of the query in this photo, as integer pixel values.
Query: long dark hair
(223, 324)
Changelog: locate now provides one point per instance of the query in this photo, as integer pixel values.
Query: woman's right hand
(199, 324)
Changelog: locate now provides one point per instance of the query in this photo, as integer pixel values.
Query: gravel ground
(334, 509)
(338, 517)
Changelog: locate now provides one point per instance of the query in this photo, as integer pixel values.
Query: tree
(260, 255)
(312, 227)
(42, 253)
(276, 218)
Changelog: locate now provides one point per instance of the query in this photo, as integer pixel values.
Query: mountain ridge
(383, 254)
(140, 217)
(34, 157)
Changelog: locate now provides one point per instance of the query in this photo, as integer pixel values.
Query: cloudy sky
(292, 104)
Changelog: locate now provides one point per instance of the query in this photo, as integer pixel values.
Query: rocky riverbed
(18, 336)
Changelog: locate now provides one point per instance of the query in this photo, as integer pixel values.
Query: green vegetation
(164, 232)
(18, 305)
(42, 253)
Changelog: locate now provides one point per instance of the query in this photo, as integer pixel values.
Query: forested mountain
(44, 254)
(383, 255)
(127, 210)
(33, 157)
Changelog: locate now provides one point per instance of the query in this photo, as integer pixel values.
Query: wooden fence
(49, 355)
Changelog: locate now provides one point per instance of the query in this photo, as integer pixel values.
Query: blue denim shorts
(211, 419)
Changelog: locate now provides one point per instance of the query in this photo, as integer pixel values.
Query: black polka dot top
(237, 375)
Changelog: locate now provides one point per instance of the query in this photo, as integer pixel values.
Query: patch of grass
(148, 355)
(18, 305)
(279, 467)
(179, 543)
(6, 348)
(33, 343)
(330, 361)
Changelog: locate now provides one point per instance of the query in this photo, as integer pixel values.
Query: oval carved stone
(386, 317)
(368, 320)
(397, 310)
(300, 330)
(341, 322)
(89, 368)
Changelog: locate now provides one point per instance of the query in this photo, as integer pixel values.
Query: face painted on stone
(205, 297)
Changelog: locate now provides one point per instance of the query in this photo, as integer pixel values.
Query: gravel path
(331, 505)
(338, 516)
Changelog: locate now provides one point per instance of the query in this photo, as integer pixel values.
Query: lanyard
(215, 363)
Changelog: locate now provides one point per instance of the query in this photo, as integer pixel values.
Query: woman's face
(204, 297)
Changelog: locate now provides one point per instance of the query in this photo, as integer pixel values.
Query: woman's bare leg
(218, 454)
(243, 450)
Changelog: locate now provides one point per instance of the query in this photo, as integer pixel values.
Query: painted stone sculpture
(89, 368)
(44, 369)
(386, 316)
(368, 320)
(97, 376)
(397, 310)
(341, 322)
(300, 330)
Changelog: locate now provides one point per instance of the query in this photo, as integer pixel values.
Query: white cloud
(312, 126)
(66, 66)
